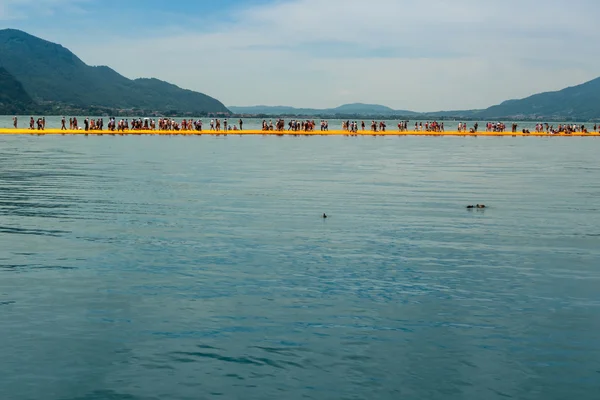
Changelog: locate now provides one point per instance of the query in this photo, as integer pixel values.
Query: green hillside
(51, 73)
(581, 102)
(13, 97)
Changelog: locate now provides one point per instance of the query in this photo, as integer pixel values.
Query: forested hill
(13, 97)
(581, 103)
(50, 73)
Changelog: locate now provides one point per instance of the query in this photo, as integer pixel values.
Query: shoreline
(9, 131)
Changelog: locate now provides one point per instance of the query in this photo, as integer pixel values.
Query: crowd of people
(279, 125)
(433, 126)
(292, 125)
(498, 127)
(135, 124)
(170, 124)
(566, 129)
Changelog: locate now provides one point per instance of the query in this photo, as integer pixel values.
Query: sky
(419, 55)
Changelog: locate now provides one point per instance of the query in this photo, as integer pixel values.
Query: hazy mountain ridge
(346, 109)
(50, 73)
(581, 102)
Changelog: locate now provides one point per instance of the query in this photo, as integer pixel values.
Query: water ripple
(38, 232)
(142, 268)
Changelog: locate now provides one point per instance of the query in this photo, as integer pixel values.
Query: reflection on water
(186, 268)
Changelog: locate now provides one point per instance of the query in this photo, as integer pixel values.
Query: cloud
(411, 54)
(25, 9)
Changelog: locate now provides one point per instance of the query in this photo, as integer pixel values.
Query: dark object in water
(470, 207)
(324, 216)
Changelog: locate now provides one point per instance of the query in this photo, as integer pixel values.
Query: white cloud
(412, 54)
(25, 9)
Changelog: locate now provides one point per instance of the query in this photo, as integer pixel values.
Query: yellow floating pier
(4, 131)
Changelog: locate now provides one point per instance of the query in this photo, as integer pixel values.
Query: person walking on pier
(63, 123)
(241, 123)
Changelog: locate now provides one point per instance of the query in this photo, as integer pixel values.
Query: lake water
(142, 268)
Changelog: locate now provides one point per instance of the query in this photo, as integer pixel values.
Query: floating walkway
(4, 131)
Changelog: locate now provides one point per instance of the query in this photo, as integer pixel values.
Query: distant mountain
(52, 74)
(581, 102)
(272, 110)
(13, 97)
(357, 109)
(577, 103)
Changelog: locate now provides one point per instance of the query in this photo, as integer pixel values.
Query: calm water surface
(140, 268)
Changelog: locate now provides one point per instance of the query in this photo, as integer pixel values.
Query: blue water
(138, 268)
